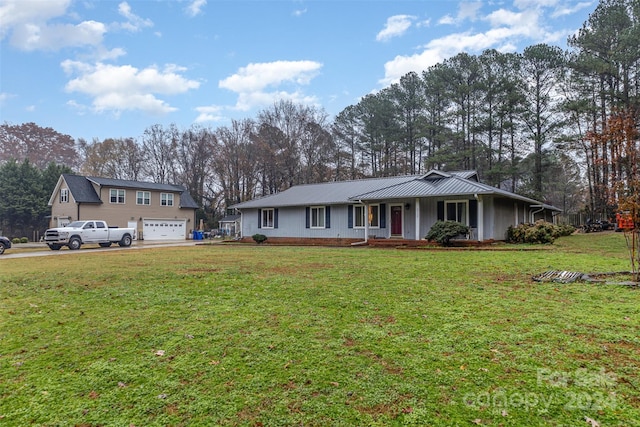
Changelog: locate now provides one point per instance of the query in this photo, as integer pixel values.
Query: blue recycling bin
(197, 235)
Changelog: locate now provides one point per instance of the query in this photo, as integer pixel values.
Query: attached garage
(164, 229)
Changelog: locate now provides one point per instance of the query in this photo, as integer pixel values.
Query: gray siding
(504, 217)
(498, 214)
(292, 223)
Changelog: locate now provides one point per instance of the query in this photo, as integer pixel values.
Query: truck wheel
(126, 241)
(74, 243)
(2, 248)
(105, 244)
(54, 247)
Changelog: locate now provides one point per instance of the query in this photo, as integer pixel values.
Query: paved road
(18, 251)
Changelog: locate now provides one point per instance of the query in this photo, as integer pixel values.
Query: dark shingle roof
(83, 191)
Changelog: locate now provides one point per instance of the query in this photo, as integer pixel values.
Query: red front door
(396, 220)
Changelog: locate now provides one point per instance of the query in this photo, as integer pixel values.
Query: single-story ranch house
(156, 211)
(401, 207)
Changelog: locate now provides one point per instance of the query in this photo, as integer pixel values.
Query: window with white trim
(318, 217)
(143, 198)
(266, 218)
(360, 215)
(166, 199)
(457, 211)
(64, 195)
(116, 195)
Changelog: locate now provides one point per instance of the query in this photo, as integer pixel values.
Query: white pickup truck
(77, 233)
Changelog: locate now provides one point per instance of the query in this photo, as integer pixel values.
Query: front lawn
(278, 336)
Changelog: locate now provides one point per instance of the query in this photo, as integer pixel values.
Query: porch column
(366, 222)
(480, 219)
(417, 219)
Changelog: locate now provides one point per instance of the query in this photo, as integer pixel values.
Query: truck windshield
(76, 224)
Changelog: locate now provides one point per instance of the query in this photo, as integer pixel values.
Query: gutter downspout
(480, 216)
(366, 226)
(417, 219)
(532, 213)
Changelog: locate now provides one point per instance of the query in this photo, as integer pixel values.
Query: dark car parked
(4, 244)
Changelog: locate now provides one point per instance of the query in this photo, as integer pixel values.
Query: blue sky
(112, 68)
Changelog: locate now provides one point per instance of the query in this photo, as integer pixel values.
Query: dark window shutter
(327, 217)
(307, 217)
(383, 215)
(259, 218)
(440, 211)
(350, 216)
(275, 218)
(473, 213)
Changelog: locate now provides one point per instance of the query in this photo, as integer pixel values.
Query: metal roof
(326, 193)
(431, 184)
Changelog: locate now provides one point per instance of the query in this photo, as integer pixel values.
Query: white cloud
(251, 82)
(446, 20)
(16, 13)
(134, 22)
(195, 7)
(507, 29)
(255, 77)
(528, 4)
(396, 26)
(211, 113)
(26, 23)
(564, 10)
(29, 25)
(467, 11)
(103, 54)
(299, 12)
(119, 88)
(4, 97)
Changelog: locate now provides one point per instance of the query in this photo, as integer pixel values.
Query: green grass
(279, 336)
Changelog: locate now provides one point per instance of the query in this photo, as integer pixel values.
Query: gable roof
(82, 190)
(432, 184)
(230, 218)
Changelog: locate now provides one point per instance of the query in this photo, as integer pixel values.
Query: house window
(456, 211)
(267, 218)
(360, 215)
(143, 198)
(64, 195)
(318, 217)
(116, 196)
(166, 199)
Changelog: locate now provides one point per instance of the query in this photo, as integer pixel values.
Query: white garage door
(164, 229)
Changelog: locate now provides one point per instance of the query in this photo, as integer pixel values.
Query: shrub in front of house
(24, 240)
(259, 238)
(565, 229)
(444, 231)
(539, 232)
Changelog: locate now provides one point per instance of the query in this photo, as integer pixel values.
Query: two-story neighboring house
(156, 211)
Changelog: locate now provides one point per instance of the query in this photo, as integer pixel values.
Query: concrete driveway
(26, 250)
